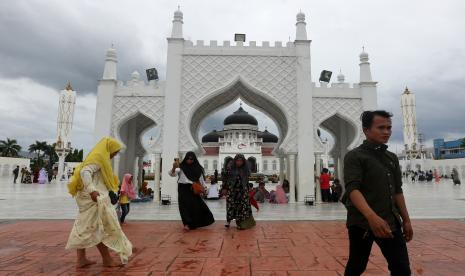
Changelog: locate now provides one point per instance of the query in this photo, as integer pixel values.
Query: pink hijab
(127, 188)
(280, 195)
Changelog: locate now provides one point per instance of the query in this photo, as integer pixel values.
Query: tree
(50, 152)
(9, 148)
(38, 148)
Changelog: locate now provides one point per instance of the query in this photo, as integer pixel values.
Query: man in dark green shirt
(376, 210)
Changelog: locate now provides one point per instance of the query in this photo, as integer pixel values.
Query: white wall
(8, 164)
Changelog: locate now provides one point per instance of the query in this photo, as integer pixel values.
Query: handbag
(197, 188)
(113, 197)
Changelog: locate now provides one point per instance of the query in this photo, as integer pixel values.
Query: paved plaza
(292, 239)
(271, 248)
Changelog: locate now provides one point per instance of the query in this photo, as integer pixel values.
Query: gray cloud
(413, 43)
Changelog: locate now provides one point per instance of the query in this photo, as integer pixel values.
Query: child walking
(126, 194)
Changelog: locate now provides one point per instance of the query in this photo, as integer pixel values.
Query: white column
(305, 182)
(317, 177)
(292, 178)
(157, 177)
(171, 118)
(116, 160)
(61, 165)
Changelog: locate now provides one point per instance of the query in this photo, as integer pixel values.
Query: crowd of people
(374, 213)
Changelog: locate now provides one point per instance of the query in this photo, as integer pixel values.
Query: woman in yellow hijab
(97, 223)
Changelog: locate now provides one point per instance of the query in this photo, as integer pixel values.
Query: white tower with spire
(409, 116)
(105, 93)
(67, 101)
(367, 85)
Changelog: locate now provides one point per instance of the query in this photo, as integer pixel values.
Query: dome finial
(69, 87)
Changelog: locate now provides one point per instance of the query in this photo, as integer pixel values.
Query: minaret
(171, 145)
(365, 71)
(176, 32)
(105, 92)
(301, 179)
(409, 115)
(301, 29)
(109, 72)
(67, 101)
(367, 85)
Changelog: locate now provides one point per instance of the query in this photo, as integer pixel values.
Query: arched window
(237, 135)
(215, 164)
(265, 165)
(205, 164)
(275, 165)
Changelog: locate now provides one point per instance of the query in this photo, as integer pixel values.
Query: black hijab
(243, 172)
(194, 171)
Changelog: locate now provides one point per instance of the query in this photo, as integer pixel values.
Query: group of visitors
(329, 192)
(376, 209)
(28, 176)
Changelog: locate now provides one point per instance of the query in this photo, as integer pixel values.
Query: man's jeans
(394, 250)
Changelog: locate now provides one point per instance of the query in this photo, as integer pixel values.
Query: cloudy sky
(45, 44)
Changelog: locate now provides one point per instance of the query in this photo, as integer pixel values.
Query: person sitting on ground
(278, 196)
(336, 190)
(261, 193)
(145, 191)
(213, 192)
(253, 202)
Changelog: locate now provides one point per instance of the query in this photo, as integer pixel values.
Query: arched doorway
(344, 133)
(229, 94)
(130, 133)
(253, 164)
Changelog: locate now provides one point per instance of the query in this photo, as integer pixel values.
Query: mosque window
(274, 165)
(205, 164)
(265, 165)
(215, 164)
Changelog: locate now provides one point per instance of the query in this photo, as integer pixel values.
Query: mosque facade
(203, 77)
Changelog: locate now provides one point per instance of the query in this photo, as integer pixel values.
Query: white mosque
(240, 135)
(203, 77)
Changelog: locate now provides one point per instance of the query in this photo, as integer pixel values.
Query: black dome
(211, 137)
(268, 137)
(240, 117)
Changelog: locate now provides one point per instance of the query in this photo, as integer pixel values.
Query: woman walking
(194, 212)
(97, 223)
(126, 194)
(238, 202)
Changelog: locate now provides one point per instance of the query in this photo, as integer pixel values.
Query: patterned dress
(238, 202)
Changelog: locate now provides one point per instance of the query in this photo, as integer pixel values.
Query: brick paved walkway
(272, 248)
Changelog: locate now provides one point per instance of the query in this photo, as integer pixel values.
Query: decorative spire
(69, 87)
(109, 71)
(365, 71)
(301, 31)
(340, 77)
(176, 32)
(406, 90)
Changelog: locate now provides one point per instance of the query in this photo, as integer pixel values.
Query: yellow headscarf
(100, 156)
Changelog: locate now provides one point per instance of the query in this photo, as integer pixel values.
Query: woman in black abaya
(194, 212)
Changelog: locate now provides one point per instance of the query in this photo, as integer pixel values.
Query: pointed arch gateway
(238, 88)
(130, 132)
(345, 134)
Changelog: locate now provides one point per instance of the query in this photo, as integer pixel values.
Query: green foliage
(75, 156)
(9, 148)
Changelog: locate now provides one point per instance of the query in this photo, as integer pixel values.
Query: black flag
(152, 74)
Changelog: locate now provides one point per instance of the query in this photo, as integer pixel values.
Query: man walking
(324, 185)
(376, 210)
(15, 174)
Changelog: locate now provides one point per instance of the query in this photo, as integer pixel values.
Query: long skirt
(97, 223)
(238, 208)
(194, 212)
